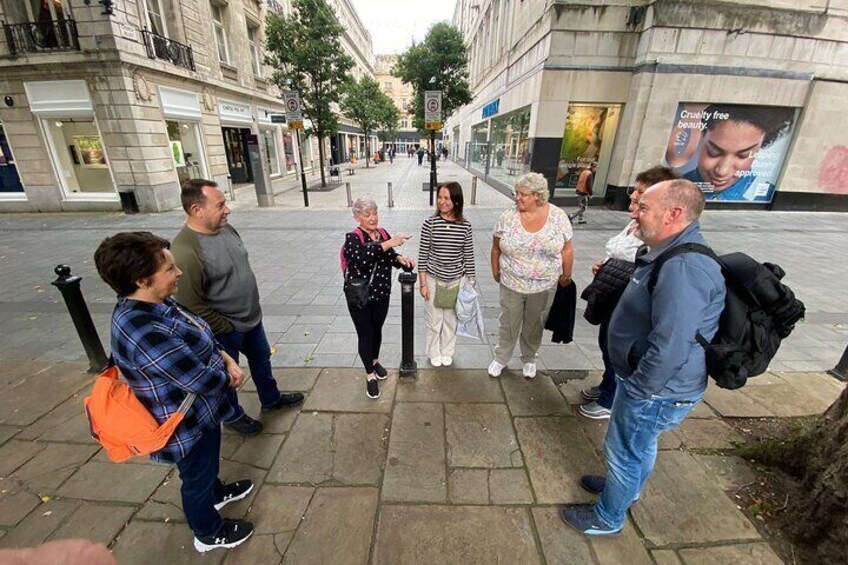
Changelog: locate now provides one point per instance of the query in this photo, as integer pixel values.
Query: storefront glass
(235, 146)
(272, 158)
(186, 151)
(478, 147)
(288, 147)
(79, 155)
(10, 181)
(588, 138)
(510, 145)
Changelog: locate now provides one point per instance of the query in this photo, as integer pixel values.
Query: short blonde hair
(536, 183)
(363, 205)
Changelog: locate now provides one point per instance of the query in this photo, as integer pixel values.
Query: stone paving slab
(343, 390)
(16, 453)
(729, 471)
(681, 504)
(556, 454)
(707, 434)
(260, 451)
(36, 528)
(322, 447)
(539, 397)
(15, 504)
(747, 553)
(450, 386)
(111, 482)
(143, 543)
(26, 400)
(7, 433)
(560, 543)
(54, 464)
(99, 523)
(468, 486)
(509, 486)
(290, 379)
(415, 469)
(336, 529)
(454, 534)
(279, 509)
(480, 435)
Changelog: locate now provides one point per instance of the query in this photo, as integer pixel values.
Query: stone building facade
(402, 95)
(119, 103)
(746, 98)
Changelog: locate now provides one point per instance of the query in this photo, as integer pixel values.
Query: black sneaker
(234, 491)
(372, 389)
(232, 533)
(381, 371)
(287, 399)
(245, 426)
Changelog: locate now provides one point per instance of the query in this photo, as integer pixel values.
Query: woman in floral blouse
(531, 254)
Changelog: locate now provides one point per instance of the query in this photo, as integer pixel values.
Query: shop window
(288, 148)
(220, 33)
(79, 155)
(509, 145)
(478, 150)
(10, 181)
(588, 138)
(272, 158)
(186, 150)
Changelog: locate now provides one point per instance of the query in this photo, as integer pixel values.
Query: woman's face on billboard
(728, 148)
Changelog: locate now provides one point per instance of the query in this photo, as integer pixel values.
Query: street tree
(440, 62)
(389, 117)
(364, 103)
(304, 50)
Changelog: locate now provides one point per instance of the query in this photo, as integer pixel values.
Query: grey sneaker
(595, 411)
(591, 393)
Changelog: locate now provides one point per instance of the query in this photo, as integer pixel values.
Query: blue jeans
(201, 488)
(630, 447)
(255, 347)
(607, 385)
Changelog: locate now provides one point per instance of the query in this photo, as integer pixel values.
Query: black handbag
(603, 294)
(356, 290)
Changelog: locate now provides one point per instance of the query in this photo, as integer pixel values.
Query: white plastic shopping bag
(468, 312)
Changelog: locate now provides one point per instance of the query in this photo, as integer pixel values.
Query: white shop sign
(179, 104)
(59, 99)
(234, 113)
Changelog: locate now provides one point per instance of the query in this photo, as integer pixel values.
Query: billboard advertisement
(588, 139)
(732, 152)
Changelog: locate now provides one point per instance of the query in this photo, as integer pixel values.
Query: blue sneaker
(582, 518)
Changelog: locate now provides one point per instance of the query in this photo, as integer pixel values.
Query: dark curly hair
(772, 120)
(126, 257)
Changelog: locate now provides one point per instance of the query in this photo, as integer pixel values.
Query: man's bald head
(666, 209)
(684, 194)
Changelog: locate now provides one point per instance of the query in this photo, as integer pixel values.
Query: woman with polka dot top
(378, 248)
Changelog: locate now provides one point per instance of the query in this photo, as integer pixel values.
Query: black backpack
(759, 312)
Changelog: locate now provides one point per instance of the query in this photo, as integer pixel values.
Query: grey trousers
(522, 320)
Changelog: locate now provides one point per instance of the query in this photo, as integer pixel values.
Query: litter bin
(128, 202)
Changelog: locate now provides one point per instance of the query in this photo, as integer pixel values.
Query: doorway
(238, 160)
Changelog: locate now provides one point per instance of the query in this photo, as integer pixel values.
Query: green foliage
(442, 55)
(367, 105)
(304, 50)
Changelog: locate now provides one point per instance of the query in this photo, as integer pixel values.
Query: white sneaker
(495, 369)
(529, 371)
(436, 361)
(447, 361)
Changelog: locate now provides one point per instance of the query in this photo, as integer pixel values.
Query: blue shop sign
(491, 108)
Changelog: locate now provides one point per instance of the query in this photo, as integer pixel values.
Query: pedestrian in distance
(584, 192)
(654, 351)
(445, 263)
(220, 286)
(369, 253)
(622, 247)
(166, 352)
(531, 254)
(420, 153)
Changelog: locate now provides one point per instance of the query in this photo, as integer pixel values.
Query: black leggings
(369, 329)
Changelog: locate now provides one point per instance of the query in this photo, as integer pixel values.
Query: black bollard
(69, 286)
(841, 369)
(408, 367)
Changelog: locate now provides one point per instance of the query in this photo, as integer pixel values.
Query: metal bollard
(391, 196)
(473, 190)
(69, 286)
(408, 367)
(841, 369)
(349, 197)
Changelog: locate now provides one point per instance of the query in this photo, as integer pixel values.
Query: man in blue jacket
(660, 366)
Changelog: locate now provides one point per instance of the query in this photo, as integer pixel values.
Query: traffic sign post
(432, 122)
(294, 117)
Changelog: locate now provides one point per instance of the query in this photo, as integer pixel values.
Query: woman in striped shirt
(446, 254)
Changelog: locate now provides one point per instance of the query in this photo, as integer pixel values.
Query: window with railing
(161, 47)
(42, 36)
(156, 17)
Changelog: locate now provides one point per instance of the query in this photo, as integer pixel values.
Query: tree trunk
(367, 149)
(822, 514)
(321, 161)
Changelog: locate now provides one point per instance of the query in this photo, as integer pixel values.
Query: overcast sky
(394, 23)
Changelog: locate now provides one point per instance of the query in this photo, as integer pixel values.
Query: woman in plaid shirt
(164, 353)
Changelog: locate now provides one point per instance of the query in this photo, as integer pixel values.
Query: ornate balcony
(160, 47)
(42, 37)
